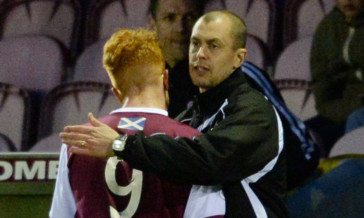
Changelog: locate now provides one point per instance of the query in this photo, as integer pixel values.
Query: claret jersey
(96, 187)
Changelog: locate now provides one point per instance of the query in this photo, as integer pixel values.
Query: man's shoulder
(249, 101)
(247, 94)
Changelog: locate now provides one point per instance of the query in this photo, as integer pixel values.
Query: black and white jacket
(237, 166)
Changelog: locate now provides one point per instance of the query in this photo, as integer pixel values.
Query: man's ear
(165, 79)
(117, 93)
(240, 57)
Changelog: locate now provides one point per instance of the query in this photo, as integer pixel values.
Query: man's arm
(237, 147)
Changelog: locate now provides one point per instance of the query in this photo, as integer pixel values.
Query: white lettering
(24, 170)
(8, 170)
(52, 169)
(22, 167)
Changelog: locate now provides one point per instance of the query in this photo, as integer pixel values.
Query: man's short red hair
(127, 50)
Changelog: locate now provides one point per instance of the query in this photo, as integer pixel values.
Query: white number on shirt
(134, 188)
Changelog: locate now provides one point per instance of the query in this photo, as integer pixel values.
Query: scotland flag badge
(132, 123)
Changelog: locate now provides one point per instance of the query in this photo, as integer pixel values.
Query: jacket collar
(210, 101)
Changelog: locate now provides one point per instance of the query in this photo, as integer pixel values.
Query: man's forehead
(206, 38)
(211, 30)
(218, 22)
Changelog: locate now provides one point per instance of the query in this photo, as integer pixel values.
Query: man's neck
(147, 99)
(143, 103)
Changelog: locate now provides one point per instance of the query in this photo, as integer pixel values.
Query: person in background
(337, 67)
(173, 20)
(238, 164)
(104, 188)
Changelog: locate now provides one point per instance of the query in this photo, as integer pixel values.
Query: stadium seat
(50, 143)
(258, 52)
(104, 17)
(14, 116)
(6, 144)
(351, 143)
(294, 61)
(301, 18)
(292, 75)
(70, 103)
(32, 62)
(259, 15)
(58, 19)
(35, 63)
(89, 64)
(298, 97)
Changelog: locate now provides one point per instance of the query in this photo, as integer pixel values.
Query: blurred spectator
(337, 63)
(173, 21)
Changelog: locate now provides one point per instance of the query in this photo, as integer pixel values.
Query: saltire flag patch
(132, 123)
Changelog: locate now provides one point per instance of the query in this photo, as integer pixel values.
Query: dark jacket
(337, 64)
(241, 151)
(181, 89)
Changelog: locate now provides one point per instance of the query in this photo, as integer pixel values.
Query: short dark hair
(153, 7)
(238, 26)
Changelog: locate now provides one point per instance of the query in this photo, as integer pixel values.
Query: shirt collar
(141, 109)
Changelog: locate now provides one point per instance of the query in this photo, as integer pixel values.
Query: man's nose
(200, 53)
(179, 24)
